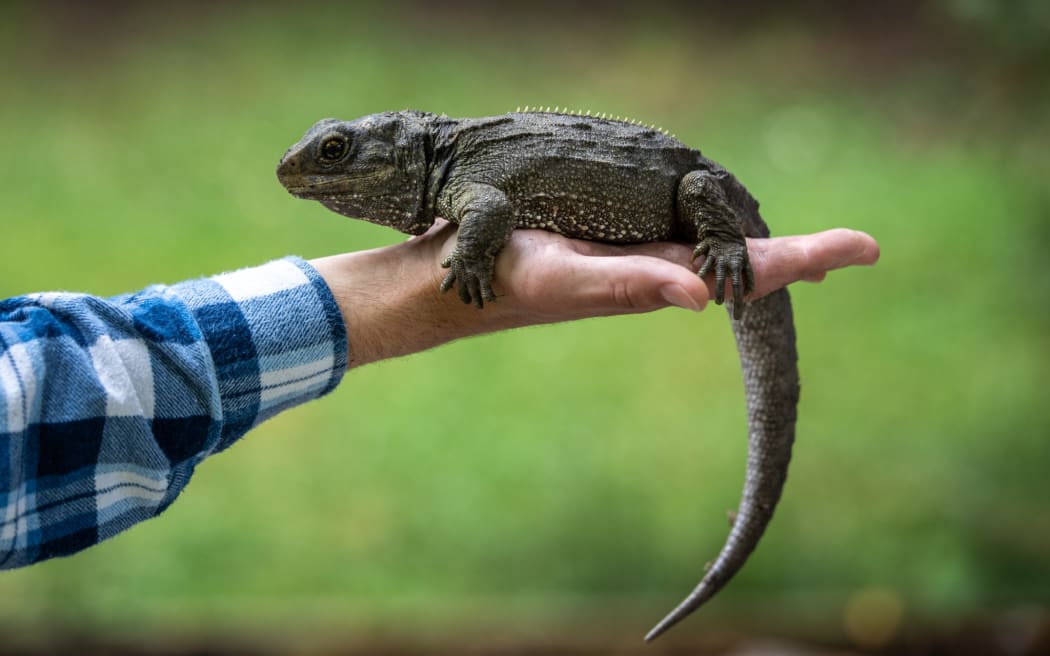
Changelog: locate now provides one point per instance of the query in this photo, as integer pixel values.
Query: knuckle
(622, 295)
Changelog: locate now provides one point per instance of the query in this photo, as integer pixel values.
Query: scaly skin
(588, 178)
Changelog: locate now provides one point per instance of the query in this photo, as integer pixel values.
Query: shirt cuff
(276, 337)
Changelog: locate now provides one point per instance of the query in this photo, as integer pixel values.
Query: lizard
(584, 176)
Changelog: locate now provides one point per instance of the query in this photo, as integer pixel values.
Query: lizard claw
(473, 280)
(727, 258)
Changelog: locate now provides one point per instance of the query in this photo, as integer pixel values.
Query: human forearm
(111, 403)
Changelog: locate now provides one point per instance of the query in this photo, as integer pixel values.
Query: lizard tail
(765, 338)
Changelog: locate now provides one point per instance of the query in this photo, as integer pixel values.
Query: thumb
(601, 286)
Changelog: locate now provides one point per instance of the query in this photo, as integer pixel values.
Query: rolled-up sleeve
(108, 405)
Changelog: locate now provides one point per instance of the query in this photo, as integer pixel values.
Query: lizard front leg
(702, 202)
(486, 220)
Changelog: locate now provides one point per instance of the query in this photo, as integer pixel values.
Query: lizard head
(374, 168)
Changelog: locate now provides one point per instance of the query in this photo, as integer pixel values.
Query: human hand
(390, 301)
(546, 275)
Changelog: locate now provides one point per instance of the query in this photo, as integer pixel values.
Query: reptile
(587, 177)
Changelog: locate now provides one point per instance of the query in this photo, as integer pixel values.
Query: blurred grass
(569, 473)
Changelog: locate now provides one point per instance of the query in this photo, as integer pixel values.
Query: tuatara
(587, 177)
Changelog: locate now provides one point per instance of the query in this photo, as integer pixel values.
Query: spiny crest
(565, 111)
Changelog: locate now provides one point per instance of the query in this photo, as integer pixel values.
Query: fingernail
(676, 295)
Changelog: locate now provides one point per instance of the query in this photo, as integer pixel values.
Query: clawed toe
(727, 260)
(473, 283)
(703, 249)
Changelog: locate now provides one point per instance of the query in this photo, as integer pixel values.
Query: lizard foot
(725, 257)
(473, 279)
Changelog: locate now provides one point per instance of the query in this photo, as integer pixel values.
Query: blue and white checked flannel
(107, 405)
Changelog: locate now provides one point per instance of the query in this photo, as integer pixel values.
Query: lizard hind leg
(703, 205)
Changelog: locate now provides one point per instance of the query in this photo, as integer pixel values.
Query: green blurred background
(558, 489)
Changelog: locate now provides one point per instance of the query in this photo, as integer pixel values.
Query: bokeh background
(557, 490)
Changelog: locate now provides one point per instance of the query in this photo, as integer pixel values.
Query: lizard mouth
(343, 185)
(308, 192)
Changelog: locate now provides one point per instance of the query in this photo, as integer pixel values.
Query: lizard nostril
(286, 168)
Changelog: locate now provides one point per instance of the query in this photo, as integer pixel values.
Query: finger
(838, 248)
(665, 250)
(783, 260)
(576, 286)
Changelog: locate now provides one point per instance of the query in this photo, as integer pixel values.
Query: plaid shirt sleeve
(107, 405)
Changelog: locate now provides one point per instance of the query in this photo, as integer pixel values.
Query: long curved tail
(765, 338)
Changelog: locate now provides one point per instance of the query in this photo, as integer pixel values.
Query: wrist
(391, 304)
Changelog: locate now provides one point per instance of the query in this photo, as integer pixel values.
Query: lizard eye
(333, 148)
